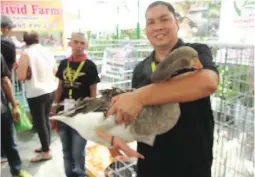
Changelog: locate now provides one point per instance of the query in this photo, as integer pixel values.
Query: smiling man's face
(161, 26)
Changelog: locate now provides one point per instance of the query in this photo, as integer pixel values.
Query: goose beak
(198, 64)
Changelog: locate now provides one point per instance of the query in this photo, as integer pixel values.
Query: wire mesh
(121, 169)
(233, 108)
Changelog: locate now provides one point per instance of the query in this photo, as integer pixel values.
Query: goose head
(181, 58)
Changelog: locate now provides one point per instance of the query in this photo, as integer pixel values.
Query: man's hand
(16, 113)
(7, 86)
(126, 108)
(54, 109)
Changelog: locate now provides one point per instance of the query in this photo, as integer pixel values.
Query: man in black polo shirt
(8, 117)
(8, 51)
(186, 150)
(78, 78)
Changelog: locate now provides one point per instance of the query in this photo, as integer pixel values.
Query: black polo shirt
(186, 150)
(88, 76)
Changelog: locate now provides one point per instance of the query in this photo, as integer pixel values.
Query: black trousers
(40, 110)
(8, 144)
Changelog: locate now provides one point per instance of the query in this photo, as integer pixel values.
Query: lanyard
(72, 79)
(153, 66)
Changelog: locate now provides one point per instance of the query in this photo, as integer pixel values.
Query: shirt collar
(177, 45)
(82, 58)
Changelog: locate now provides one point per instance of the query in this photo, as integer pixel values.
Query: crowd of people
(184, 151)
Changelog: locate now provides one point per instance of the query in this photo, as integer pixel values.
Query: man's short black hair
(6, 22)
(156, 3)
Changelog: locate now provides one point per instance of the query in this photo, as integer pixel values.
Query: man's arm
(59, 75)
(58, 92)
(186, 87)
(93, 90)
(190, 87)
(7, 86)
(22, 67)
(93, 80)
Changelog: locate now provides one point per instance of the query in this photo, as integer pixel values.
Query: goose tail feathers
(61, 118)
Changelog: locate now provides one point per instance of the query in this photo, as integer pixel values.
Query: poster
(46, 17)
(116, 61)
(237, 22)
(113, 63)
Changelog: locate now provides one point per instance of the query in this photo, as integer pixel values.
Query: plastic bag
(24, 124)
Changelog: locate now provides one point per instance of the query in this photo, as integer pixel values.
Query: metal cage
(233, 108)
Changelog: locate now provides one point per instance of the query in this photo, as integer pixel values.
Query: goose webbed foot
(114, 151)
(120, 145)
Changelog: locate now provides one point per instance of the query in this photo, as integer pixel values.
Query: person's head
(31, 37)
(78, 43)
(161, 24)
(6, 25)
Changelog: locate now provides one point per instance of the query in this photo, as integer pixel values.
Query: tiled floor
(27, 141)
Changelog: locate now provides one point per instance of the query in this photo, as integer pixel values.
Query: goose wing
(85, 106)
(88, 104)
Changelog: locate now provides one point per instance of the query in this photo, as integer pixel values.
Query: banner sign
(45, 17)
(237, 22)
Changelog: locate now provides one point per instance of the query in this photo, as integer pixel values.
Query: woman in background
(36, 68)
